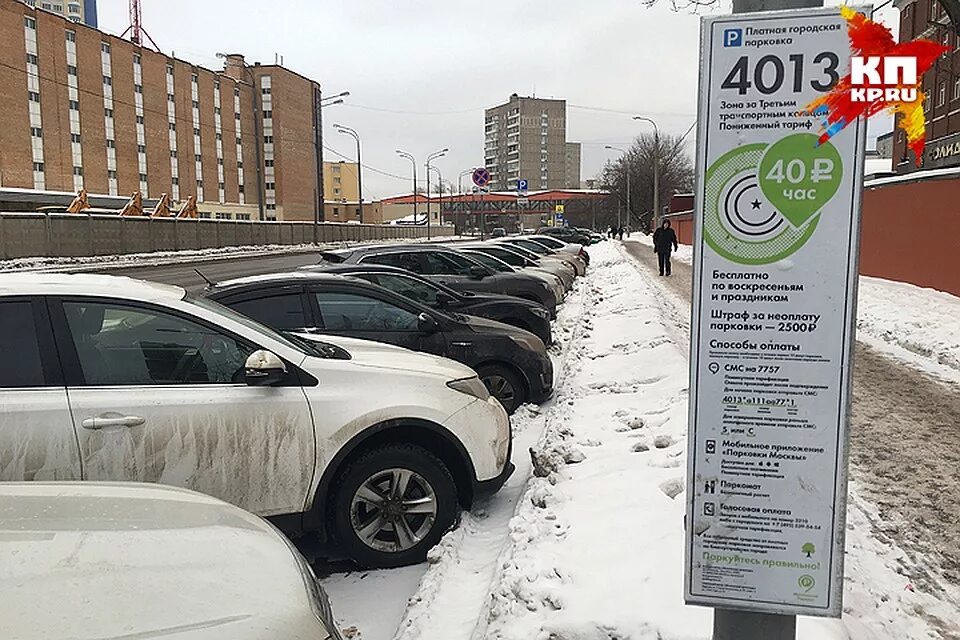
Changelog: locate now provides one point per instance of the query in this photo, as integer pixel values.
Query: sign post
(772, 333)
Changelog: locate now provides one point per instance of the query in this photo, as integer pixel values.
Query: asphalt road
(183, 274)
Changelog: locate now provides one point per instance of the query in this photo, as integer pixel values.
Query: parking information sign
(773, 317)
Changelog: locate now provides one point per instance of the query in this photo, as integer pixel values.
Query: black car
(517, 312)
(451, 268)
(512, 363)
(567, 234)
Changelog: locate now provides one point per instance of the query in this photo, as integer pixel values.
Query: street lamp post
(440, 191)
(461, 205)
(656, 170)
(431, 157)
(626, 168)
(320, 103)
(356, 136)
(413, 161)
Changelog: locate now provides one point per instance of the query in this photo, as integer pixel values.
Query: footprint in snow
(640, 447)
(672, 487)
(663, 441)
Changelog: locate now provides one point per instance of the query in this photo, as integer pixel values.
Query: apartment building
(84, 11)
(572, 164)
(525, 139)
(341, 195)
(941, 84)
(83, 109)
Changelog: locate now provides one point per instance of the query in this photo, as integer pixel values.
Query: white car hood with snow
(387, 356)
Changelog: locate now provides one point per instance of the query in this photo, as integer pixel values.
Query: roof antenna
(205, 278)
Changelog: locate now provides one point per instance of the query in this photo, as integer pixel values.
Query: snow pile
(924, 321)
(596, 543)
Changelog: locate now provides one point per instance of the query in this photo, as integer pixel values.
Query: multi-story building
(572, 164)
(84, 11)
(525, 139)
(341, 196)
(941, 84)
(83, 109)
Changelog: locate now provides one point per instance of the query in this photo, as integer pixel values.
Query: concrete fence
(27, 235)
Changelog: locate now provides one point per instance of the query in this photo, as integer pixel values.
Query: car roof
(86, 284)
(280, 278)
(150, 554)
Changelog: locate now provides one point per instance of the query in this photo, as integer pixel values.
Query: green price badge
(798, 177)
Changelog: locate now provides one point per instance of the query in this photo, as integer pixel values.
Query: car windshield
(289, 340)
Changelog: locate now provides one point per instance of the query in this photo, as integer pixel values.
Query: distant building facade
(885, 145)
(525, 139)
(87, 110)
(84, 11)
(573, 153)
(941, 84)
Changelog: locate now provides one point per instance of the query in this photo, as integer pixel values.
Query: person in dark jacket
(620, 233)
(664, 242)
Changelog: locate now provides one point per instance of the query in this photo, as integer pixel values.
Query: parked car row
(363, 400)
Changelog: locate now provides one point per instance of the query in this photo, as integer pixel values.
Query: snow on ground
(923, 321)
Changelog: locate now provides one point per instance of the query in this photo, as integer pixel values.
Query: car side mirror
(477, 272)
(444, 300)
(264, 369)
(426, 324)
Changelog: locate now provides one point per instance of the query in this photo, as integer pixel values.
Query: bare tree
(676, 176)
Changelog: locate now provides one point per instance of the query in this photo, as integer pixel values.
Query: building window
(267, 139)
(78, 171)
(221, 185)
(270, 186)
(268, 163)
(107, 80)
(170, 97)
(75, 137)
(137, 59)
(197, 158)
(74, 105)
(105, 47)
(265, 91)
(31, 58)
(241, 188)
(33, 96)
(194, 78)
(111, 144)
(176, 181)
(956, 89)
(71, 36)
(143, 177)
(71, 69)
(138, 88)
(942, 94)
(196, 104)
(108, 113)
(29, 22)
(173, 126)
(268, 114)
(38, 166)
(141, 148)
(196, 131)
(170, 69)
(36, 132)
(200, 184)
(173, 153)
(139, 119)
(220, 161)
(112, 174)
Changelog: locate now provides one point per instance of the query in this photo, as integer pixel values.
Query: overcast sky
(421, 72)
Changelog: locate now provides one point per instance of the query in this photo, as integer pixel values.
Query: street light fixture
(656, 170)
(413, 161)
(356, 136)
(319, 104)
(626, 168)
(440, 190)
(432, 156)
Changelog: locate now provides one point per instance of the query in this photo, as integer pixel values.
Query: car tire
(371, 535)
(504, 384)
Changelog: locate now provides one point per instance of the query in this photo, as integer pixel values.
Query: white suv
(108, 378)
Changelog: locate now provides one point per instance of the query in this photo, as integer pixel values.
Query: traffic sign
(522, 186)
(773, 319)
(481, 177)
(559, 208)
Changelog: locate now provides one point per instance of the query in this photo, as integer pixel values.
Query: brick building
(928, 19)
(85, 109)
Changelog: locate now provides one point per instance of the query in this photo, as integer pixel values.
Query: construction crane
(136, 30)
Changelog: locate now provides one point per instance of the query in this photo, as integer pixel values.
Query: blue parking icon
(522, 185)
(733, 37)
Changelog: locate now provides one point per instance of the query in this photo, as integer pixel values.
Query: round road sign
(481, 177)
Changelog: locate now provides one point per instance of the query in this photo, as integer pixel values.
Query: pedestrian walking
(611, 231)
(664, 241)
(620, 232)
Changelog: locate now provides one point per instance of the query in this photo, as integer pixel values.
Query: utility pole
(656, 170)
(413, 161)
(356, 136)
(735, 624)
(430, 158)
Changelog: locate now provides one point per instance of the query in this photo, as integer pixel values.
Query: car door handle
(100, 422)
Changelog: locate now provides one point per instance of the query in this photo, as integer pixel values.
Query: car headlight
(541, 313)
(471, 387)
(531, 343)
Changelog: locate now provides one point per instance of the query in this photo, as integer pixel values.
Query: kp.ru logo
(733, 37)
(899, 82)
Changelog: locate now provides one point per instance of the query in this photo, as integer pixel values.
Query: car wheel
(393, 504)
(504, 385)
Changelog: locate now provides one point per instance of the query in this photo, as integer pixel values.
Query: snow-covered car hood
(387, 356)
(121, 560)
